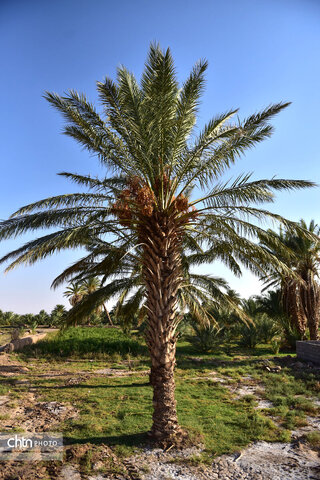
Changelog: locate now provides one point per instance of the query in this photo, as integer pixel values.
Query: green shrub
(206, 337)
(267, 328)
(80, 341)
(313, 438)
(248, 335)
(275, 346)
(289, 333)
(262, 329)
(33, 326)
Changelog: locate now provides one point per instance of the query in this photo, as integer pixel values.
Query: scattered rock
(20, 343)
(260, 461)
(299, 365)
(267, 365)
(262, 404)
(77, 380)
(4, 399)
(69, 472)
(274, 369)
(35, 416)
(276, 461)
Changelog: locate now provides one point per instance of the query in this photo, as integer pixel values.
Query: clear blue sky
(259, 52)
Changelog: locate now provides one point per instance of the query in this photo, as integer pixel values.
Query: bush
(262, 329)
(289, 332)
(206, 337)
(9, 319)
(80, 341)
(248, 334)
(314, 438)
(275, 346)
(267, 328)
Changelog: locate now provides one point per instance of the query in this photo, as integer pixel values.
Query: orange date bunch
(139, 200)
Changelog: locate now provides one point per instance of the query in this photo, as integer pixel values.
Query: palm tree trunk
(314, 328)
(107, 313)
(162, 275)
(311, 302)
(293, 306)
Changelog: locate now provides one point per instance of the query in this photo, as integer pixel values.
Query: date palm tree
(92, 284)
(300, 293)
(145, 206)
(78, 289)
(74, 292)
(57, 315)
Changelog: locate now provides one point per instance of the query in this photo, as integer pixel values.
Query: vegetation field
(88, 341)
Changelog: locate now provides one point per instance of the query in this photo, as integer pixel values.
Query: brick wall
(309, 351)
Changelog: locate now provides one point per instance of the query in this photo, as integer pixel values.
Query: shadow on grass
(230, 355)
(135, 439)
(80, 347)
(82, 385)
(305, 372)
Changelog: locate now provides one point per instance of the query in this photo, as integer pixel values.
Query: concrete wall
(309, 351)
(22, 342)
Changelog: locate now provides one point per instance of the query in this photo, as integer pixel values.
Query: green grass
(118, 411)
(207, 409)
(314, 438)
(5, 337)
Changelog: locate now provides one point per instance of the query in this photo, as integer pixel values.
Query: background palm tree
(90, 285)
(300, 292)
(83, 286)
(143, 208)
(58, 315)
(75, 293)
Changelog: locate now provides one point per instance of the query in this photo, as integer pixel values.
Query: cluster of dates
(138, 199)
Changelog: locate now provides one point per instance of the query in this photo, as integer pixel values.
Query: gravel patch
(69, 472)
(262, 404)
(313, 425)
(4, 399)
(276, 461)
(260, 461)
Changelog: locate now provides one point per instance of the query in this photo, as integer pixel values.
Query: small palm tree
(143, 208)
(75, 293)
(271, 304)
(90, 285)
(42, 318)
(57, 315)
(80, 288)
(10, 318)
(59, 310)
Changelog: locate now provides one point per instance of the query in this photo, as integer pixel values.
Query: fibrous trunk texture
(310, 297)
(293, 306)
(301, 303)
(161, 237)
